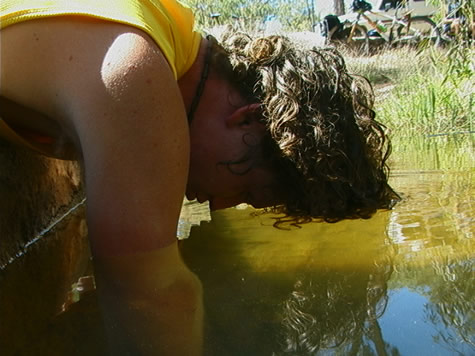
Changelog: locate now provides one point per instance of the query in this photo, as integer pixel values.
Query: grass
(422, 91)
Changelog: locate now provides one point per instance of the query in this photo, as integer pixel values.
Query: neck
(192, 83)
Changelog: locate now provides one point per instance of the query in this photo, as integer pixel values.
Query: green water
(401, 283)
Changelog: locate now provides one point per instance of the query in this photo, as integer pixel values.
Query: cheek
(207, 171)
(202, 159)
(205, 174)
(221, 182)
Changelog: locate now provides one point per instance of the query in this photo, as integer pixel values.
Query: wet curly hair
(332, 310)
(323, 141)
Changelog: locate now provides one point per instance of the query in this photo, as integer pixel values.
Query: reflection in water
(324, 289)
(293, 292)
(192, 214)
(433, 231)
(451, 310)
(337, 312)
(401, 283)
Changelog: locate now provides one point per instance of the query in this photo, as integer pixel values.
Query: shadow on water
(401, 283)
(35, 287)
(270, 291)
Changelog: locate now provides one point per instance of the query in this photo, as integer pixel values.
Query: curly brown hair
(328, 150)
(333, 309)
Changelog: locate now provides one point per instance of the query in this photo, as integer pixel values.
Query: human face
(226, 185)
(230, 189)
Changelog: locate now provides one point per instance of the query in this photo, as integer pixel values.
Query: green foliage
(251, 15)
(467, 7)
(432, 90)
(443, 96)
(386, 67)
(466, 10)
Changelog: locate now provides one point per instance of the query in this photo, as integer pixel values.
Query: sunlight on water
(401, 283)
(192, 214)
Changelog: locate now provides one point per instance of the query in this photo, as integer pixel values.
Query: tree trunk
(339, 7)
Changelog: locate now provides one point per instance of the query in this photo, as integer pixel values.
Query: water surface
(400, 283)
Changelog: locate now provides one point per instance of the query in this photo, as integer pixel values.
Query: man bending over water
(154, 111)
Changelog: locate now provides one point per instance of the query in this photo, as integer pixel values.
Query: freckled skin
(87, 77)
(110, 88)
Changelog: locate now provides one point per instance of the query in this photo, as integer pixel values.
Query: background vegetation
(426, 91)
(250, 15)
(420, 90)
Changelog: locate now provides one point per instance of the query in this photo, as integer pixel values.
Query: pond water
(401, 283)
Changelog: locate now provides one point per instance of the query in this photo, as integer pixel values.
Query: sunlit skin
(106, 92)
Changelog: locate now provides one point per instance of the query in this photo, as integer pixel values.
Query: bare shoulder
(111, 87)
(52, 64)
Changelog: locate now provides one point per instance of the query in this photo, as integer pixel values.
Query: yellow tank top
(168, 22)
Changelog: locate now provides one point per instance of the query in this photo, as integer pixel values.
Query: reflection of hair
(333, 311)
(329, 152)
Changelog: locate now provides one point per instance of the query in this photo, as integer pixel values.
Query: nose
(223, 203)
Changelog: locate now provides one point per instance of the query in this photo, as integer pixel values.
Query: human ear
(246, 117)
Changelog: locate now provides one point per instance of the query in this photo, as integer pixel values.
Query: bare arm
(112, 90)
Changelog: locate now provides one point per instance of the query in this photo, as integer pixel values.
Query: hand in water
(153, 303)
